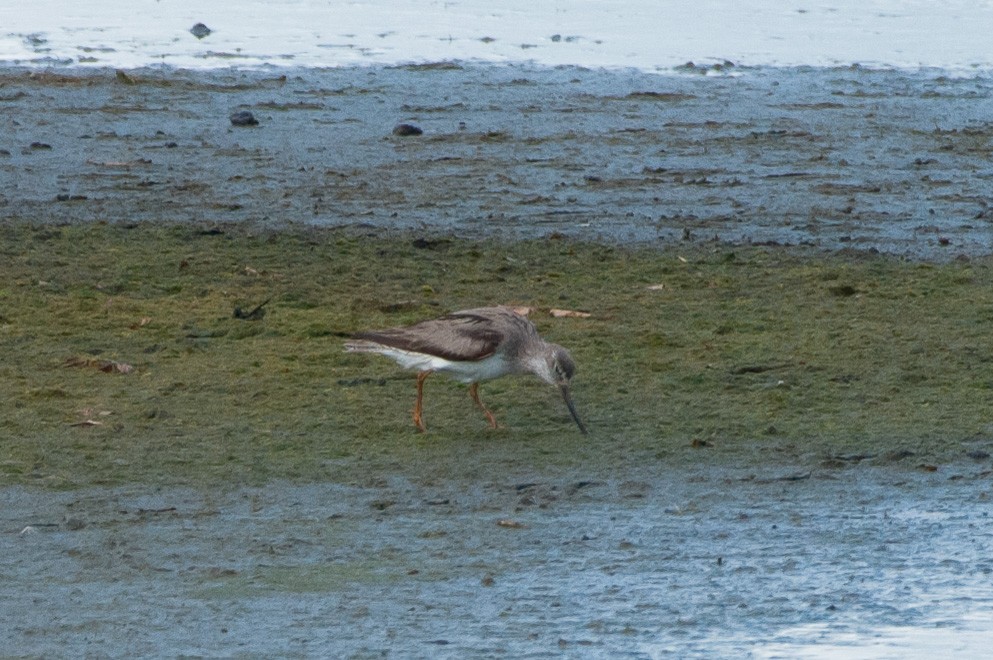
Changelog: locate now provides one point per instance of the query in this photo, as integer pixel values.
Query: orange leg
(418, 405)
(474, 393)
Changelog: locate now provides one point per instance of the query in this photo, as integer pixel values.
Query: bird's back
(463, 336)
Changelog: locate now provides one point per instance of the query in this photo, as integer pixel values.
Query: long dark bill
(572, 408)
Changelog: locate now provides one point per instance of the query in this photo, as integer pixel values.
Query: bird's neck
(535, 361)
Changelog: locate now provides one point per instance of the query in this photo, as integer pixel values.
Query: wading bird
(472, 346)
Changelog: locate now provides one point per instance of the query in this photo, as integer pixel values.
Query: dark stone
(244, 118)
(406, 130)
(200, 30)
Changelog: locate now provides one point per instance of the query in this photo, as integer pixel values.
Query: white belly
(466, 372)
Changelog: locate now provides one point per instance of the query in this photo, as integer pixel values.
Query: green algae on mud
(691, 353)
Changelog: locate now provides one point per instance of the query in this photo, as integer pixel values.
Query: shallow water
(861, 562)
(641, 34)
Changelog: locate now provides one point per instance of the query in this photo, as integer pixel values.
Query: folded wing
(462, 337)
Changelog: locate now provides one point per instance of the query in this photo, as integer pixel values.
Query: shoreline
(949, 33)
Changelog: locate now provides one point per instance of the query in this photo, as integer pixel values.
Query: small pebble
(407, 130)
(244, 118)
(200, 30)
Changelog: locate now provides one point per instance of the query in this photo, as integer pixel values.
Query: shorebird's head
(556, 367)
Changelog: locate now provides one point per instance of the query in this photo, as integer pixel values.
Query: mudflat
(848, 157)
(783, 366)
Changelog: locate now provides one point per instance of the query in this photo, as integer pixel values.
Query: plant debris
(106, 366)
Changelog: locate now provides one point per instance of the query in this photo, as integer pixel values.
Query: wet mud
(692, 563)
(849, 157)
(674, 538)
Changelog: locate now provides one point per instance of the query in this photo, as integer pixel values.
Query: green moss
(804, 354)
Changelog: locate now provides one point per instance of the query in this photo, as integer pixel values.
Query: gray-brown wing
(462, 336)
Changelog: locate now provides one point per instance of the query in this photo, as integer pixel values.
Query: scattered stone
(978, 455)
(703, 69)
(244, 118)
(407, 130)
(200, 30)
